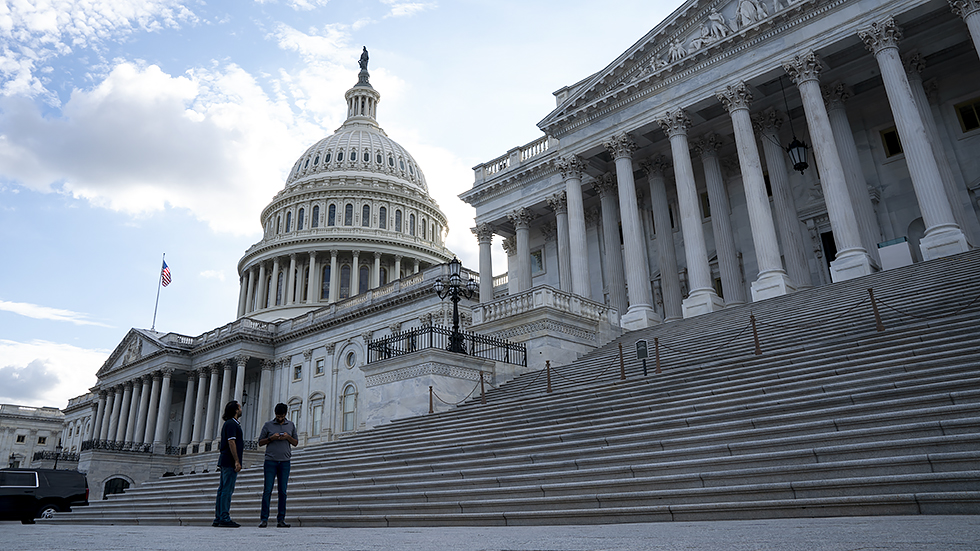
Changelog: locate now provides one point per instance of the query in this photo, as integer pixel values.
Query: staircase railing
(437, 336)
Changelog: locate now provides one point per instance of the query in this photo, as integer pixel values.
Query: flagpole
(159, 283)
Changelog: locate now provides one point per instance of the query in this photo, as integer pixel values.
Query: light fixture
(455, 289)
(796, 149)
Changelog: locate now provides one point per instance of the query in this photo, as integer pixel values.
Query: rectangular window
(317, 420)
(969, 114)
(319, 367)
(42, 440)
(21, 438)
(537, 262)
(891, 143)
(705, 206)
(297, 372)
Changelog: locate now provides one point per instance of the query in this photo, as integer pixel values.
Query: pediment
(696, 31)
(136, 345)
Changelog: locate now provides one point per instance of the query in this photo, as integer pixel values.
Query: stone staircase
(834, 418)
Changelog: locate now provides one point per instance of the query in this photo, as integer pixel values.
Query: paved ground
(939, 533)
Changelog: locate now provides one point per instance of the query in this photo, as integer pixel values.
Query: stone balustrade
(515, 157)
(543, 297)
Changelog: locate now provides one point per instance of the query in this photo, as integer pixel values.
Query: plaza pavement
(933, 533)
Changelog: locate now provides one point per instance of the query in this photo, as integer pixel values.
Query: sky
(130, 129)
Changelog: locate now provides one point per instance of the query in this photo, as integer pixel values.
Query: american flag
(165, 274)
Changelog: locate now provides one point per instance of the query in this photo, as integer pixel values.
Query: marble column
(701, 297)
(835, 96)
(335, 276)
(721, 222)
(484, 236)
(959, 198)
(265, 395)
(510, 249)
(612, 263)
(249, 298)
(640, 313)
(376, 274)
(355, 274)
(163, 412)
(241, 362)
(787, 218)
(227, 386)
(140, 433)
(262, 290)
(969, 10)
(398, 266)
(670, 281)
(127, 396)
(99, 414)
(107, 414)
(274, 284)
(852, 259)
(290, 280)
(187, 415)
(152, 409)
(772, 280)
(210, 417)
(200, 407)
(115, 412)
(943, 236)
(559, 204)
(521, 218)
(134, 410)
(571, 169)
(242, 294)
(415, 266)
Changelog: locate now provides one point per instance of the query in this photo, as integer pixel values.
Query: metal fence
(114, 446)
(437, 336)
(51, 456)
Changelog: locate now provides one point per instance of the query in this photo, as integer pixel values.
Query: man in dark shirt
(229, 463)
(277, 435)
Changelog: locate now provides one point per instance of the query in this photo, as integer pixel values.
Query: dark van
(26, 494)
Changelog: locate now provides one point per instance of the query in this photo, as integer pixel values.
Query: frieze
(420, 370)
(551, 326)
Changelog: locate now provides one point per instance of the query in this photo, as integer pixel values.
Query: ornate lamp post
(57, 454)
(454, 288)
(12, 459)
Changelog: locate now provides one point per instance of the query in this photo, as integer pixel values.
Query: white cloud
(47, 313)
(405, 9)
(300, 5)
(43, 373)
(213, 274)
(329, 44)
(211, 141)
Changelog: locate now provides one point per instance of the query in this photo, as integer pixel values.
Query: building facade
(662, 186)
(25, 431)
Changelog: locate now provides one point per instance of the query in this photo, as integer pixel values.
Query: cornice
(543, 168)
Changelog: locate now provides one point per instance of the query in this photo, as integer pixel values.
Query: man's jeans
(274, 470)
(226, 486)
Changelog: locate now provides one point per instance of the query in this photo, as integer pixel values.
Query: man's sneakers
(263, 524)
(281, 524)
(229, 524)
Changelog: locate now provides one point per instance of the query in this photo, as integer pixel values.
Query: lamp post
(455, 288)
(57, 453)
(13, 459)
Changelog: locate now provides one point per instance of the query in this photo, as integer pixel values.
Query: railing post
(483, 394)
(547, 369)
(755, 335)
(656, 348)
(874, 306)
(430, 398)
(622, 366)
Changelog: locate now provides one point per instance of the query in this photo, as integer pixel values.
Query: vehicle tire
(47, 510)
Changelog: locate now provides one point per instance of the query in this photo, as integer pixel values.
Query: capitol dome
(355, 209)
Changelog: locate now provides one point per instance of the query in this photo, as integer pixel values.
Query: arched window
(316, 160)
(349, 406)
(366, 215)
(383, 218)
(289, 221)
(433, 233)
(325, 283)
(114, 486)
(315, 219)
(326, 158)
(278, 224)
(423, 228)
(379, 159)
(332, 215)
(349, 215)
(383, 276)
(353, 154)
(299, 219)
(364, 278)
(411, 225)
(398, 220)
(345, 281)
(391, 161)
(279, 283)
(340, 156)
(401, 164)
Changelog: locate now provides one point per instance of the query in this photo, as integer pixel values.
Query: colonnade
(266, 284)
(781, 260)
(136, 413)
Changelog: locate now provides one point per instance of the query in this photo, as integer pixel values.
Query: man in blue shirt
(229, 463)
(277, 435)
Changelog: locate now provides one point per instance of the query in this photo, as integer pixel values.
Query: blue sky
(133, 128)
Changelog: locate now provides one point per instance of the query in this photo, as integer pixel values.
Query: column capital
(559, 203)
(621, 146)
(570, 167)
(395, 327)
(215, 368)
(241, 359)
(964, 8)
(334, 253)
(268, 365)
(881, 35)
(157, 376)
(227, 363)
(521, 218)
(707, 145)
(510, 245)
(377, 255)
(604, 185)
(128, 385)
(675, 123)
(167, 372)
(103, 394)
(483, 233)
(655, 166)
(803, 67)
(914, 63)
(835, 95)
(367, 335)
(292, 257)
(399, 257)
(307, 354)
(768, 121)
(331, 347)
(735, 96)
(355, 253)
(312, 254)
